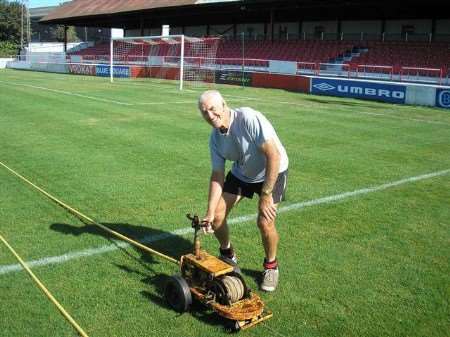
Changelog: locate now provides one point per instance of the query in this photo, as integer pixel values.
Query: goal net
(186, 60)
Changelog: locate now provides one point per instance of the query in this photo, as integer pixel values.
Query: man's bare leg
(220, 226)
(269, 236)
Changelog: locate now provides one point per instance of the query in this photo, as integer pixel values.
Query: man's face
(212, 111)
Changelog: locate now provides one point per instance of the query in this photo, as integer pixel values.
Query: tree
(8, 49)
(71, 34)
(10, 21)
(10, 27)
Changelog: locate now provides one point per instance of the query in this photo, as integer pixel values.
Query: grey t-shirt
(248, 130)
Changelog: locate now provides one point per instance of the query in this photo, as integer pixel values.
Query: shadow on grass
(196, 310)
(254, 274)
(164, 242)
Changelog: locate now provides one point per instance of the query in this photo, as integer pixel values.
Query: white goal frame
(111, 56)
(205, 51)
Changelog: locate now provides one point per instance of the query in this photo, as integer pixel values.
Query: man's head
(214, 109)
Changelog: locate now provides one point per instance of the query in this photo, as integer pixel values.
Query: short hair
(214, 94)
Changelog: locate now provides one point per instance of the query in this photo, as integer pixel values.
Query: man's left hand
(267, 207)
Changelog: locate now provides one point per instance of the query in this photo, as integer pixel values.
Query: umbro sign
(368, 90)
(324, 86)
(361, 90)
(443, 98)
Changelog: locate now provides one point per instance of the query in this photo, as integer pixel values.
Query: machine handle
(196, 224)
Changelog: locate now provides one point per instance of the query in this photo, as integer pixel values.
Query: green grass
(374, 264)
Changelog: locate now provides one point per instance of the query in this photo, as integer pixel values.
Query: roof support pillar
(383, 29)
(65, 37)
(141, 25)
(433, 30)
(300, 29)
(339, 29)
(271, 24)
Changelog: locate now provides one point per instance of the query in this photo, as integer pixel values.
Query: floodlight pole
(21, 27)
(111, 53)
(243, 59)
(182, 62)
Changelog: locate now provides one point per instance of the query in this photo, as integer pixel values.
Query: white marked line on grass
(97, 98)
(243, 97)
(151, 83)
(169, 103)
(166, 103)
(91, 251)
(386, 115)
(6, 269)
(402, 118)
(227, 96)
(358, 112)
(66, 93)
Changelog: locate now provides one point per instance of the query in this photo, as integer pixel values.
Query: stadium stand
(295, 50)
(429, 60)
(405, 54)
(393, 53)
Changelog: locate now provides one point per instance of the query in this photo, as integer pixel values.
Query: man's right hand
(207, 222)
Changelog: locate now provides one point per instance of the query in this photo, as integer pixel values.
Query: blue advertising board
(392, 93)
(118, 71)
(443, 98)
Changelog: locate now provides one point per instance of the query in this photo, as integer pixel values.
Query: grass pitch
(365, 230)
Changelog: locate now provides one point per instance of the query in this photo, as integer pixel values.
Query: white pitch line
(6, 269)
(352, 112)
(231, 96)
(166, 103)
(243, 97)
(401, 118)
(67, 93)
(152, 83)
(359, 112)
(96, 98)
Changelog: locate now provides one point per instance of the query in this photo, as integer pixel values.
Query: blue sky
(43, 3)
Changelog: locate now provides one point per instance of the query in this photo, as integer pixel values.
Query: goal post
(187, 60)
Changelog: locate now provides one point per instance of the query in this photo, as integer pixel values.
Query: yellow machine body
(201, 270)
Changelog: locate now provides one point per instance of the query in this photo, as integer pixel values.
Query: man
(247, 138)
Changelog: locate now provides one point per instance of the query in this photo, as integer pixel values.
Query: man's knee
(265, 225)
(219, 217)
(226, 203)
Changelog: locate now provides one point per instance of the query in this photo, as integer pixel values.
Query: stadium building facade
(288, 44)
(265, 19)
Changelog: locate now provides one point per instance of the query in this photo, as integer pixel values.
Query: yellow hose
(45, 290)
(86, 218)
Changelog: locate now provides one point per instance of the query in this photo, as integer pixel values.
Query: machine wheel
(232, 326)
(177, 293)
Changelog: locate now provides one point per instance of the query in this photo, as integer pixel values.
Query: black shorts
(236, 186)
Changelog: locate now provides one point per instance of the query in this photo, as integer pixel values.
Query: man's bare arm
(272, 164)
(215, 191)
(272, 154)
